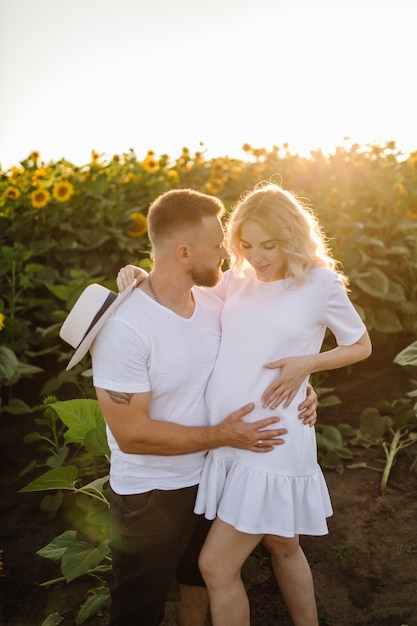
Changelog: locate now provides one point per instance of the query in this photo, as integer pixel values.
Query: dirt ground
(365, 570)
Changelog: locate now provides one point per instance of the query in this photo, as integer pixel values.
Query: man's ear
(182, 253)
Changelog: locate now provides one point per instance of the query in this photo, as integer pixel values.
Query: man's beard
(205, 276)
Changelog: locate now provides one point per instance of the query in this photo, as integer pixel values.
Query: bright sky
(111, 75)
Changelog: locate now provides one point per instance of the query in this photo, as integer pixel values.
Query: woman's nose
(256, 254)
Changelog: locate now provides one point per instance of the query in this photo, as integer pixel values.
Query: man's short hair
(178, 209)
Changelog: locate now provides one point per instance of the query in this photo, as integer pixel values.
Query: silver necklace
(153, 290)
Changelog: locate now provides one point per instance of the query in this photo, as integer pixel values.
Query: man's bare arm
(127, 416)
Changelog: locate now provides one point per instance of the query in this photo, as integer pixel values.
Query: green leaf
(371, 242)
(374, 282)
(403, 416)
(331, 460)
(70, 293)
(25, 369)
(56, 548)
(99, 518)
(50, 504)
(54, 619)
(92, 605)
(17, 407)
(96, 441)
(255, 571)
(96, 485)
(386, 321)
(8, 363)
(409, 307)
(327, 401)
(92, 239)
(78, 559)
(59, 478)
(63, 292)
(372, 424)
(32, 437)
(396, 292)
(80, 416)
(408, 356)
(400, 251)
(385, 407)
(57, 460)
(347, 431)
(330, 437)
(29, 468)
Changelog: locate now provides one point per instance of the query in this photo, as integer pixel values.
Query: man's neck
(170, 291)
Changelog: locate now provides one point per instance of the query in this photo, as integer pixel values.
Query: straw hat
(87, 317)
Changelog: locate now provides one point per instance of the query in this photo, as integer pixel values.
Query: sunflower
(95, 159)
(140, 225)
(150, 164)
(40, 198)
(41, 172)
(164, 160)
(12, 193)
(172, 176)
(214, 186)
(63, 191)
(2, 318)
(411, 214)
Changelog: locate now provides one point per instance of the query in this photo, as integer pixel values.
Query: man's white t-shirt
(144, 347)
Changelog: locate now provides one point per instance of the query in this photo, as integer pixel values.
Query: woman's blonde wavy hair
(290, 222)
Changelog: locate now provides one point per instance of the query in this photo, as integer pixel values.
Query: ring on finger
(260, 443)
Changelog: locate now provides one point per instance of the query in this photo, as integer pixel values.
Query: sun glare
(278, 72)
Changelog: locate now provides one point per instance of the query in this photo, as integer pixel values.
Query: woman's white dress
(282, 492)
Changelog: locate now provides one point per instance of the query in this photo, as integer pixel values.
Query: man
(151, 363)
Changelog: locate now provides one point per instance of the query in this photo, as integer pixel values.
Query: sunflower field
(63, 226)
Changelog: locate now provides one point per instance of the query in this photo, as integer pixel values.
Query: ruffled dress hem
(260, 502)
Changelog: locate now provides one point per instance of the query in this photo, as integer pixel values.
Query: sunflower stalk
(397, 444)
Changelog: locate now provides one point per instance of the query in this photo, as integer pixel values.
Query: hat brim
(85, 344)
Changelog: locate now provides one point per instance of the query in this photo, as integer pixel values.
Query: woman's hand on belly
(294, 371)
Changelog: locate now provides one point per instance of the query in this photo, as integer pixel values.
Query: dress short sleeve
(341, 316)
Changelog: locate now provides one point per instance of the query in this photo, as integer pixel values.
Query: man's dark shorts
(155, 538)
(142, 523)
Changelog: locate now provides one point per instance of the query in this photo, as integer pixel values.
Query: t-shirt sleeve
(120, 357)
(341, 316)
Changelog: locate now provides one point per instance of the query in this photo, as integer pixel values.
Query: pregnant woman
(282, 292)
